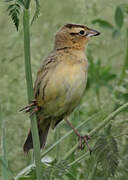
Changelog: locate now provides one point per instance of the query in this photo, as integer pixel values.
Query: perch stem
(35, 136)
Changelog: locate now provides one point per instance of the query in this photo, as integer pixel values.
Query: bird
(60, 83)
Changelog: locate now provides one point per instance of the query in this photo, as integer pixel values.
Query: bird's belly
(64, 90)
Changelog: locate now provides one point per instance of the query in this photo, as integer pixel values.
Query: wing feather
(42, 75)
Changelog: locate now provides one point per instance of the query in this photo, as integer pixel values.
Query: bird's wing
(49, 63)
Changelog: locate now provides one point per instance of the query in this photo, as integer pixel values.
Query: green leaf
(119, 17)
(14, 11)
(106, 152)
(21, 2)
(103, 23)
(37, 11)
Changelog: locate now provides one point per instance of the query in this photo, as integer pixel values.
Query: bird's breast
(65, 87)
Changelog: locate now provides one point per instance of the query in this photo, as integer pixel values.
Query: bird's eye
(82, 32)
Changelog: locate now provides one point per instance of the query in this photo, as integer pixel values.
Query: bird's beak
(92, 32)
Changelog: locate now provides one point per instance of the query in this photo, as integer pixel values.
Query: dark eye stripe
(73, 34)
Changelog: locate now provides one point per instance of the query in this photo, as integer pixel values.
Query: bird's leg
(82, 139)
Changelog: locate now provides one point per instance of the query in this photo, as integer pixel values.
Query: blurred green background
(109, 49)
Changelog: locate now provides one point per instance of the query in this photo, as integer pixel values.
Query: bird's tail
(42, 137)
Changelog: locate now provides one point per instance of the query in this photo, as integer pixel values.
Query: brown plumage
(61, 80)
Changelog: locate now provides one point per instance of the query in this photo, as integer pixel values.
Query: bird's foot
(83, 140)
(34, 110)
(32, 107)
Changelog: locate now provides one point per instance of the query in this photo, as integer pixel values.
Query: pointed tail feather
(42, 137)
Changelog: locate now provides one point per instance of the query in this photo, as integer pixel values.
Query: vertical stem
(30, 93)
(27, 3)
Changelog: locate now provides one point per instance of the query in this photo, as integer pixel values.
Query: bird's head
(74, 36)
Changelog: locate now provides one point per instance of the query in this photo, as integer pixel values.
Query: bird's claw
(32, 107)
(36, 109)
(83, 140)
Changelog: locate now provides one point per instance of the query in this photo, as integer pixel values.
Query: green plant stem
(122, 134)
(108, 119)
(5, 165)
(27, 3)
(79, 158)
(30, 92)
(95, 130)
(125, 65)
(24, 171)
